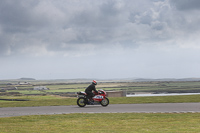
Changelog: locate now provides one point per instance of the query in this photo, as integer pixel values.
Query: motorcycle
(99, 98)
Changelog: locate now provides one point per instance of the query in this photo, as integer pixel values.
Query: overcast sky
(100, 39)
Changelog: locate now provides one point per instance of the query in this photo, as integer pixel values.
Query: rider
(91, 88)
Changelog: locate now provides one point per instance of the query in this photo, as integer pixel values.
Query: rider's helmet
(94, 82)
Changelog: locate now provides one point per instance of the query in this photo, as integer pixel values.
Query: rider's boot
(90, 101)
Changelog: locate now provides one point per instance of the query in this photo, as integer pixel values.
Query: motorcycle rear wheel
(81, 101)
(105, 102)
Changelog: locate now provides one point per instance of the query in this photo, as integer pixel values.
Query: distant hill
(79, 80)
(167, 79)
(27, 79)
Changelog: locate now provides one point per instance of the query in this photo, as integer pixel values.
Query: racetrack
(112, 108)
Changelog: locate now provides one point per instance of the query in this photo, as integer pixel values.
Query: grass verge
(57, 101)
(105, 123)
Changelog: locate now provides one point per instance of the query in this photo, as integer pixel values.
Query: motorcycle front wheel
(105, 102)
(81, 102)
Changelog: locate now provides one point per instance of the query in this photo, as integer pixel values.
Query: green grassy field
(61, 87)
(56, 100)
(103, 123)
(55, 87)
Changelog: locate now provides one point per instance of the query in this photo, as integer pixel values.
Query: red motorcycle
(99, 98)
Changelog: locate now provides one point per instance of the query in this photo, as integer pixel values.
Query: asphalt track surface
(112, 108)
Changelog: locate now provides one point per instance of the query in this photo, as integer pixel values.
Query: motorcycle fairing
(98, 98)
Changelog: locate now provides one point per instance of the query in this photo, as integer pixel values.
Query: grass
(32, 92)
(64, 87)
(103, 123)
(157, 99)
(57, 101)
(38, 101)
(67, 86)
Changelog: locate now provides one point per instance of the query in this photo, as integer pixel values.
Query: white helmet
(94, 82)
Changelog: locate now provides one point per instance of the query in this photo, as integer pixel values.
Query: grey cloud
(186, 4)
(143, 34)
(185, 16)
(100, 23)
(96, 24)
(23, 24)
(158, 26)
(64, 25)
(17, 16)
(111, 8)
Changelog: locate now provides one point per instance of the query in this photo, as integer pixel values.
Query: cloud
(64, 27)
(136, 33)
(186, 4)
(18, 17)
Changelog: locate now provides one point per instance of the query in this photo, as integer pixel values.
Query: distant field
(64, 87)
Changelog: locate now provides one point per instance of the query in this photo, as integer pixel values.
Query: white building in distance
(40, 88)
